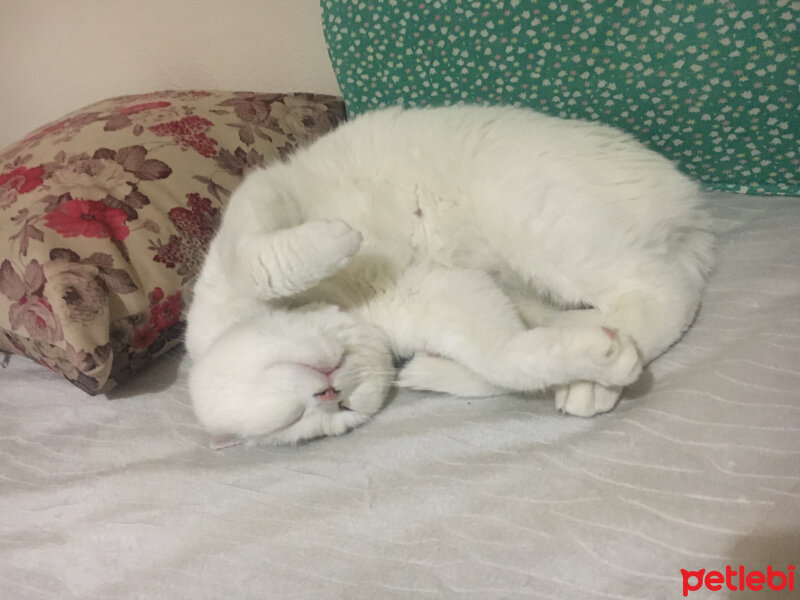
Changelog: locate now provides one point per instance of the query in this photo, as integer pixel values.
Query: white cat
(500, 248)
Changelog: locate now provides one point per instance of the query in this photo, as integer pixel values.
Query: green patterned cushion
(712, 85)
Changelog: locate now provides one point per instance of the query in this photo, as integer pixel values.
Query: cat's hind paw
(586, 398)
(605, 356)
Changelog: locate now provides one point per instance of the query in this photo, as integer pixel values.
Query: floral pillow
(105, 216)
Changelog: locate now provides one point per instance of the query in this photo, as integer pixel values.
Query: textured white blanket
(438, 497)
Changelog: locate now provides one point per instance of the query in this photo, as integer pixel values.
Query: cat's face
(290, 377)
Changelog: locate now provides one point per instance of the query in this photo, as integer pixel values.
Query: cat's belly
(412, 223)
(399, 222)
(393, 239)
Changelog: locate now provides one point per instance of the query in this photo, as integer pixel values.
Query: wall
(58, 56)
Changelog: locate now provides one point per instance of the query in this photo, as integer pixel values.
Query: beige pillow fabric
(106, 213)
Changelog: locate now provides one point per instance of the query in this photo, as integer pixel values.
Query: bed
(119, 496)
(689, 488)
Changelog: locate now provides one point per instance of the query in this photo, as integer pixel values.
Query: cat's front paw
(290, 261)
(368, 397)
(586, 398)
(333, 243)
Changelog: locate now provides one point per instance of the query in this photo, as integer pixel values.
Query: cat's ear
(224, 440)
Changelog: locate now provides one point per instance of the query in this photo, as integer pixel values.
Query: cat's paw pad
(611, 358)
(586, 398)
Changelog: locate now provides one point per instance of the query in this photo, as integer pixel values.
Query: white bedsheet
(438, 497)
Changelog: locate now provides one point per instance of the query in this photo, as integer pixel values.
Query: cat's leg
(241, 272)
(439, 374)
(533, 309)
(462, 315)
(268, 249)
(654, 317)
(367, 371)
(279, 264)
(579, 398)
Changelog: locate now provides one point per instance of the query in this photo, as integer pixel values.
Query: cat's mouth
(327, 395)
(330, 394)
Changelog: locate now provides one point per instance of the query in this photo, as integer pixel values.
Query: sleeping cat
(500, 249)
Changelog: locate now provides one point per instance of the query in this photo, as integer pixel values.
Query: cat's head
(288, 377)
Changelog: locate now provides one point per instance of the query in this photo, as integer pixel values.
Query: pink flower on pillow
(144, 337)
(47, 130)
(35, 315)
(29, 309)
(164, 313)
(137, 108)
(88, 218)
(19, 181)
(23, 179)
(189, 131)
(68, 127)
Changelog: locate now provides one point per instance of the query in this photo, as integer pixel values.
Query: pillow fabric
(711, 85)
(105, 215)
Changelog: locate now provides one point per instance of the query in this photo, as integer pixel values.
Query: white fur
(508, 249)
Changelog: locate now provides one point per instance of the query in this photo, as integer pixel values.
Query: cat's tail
(439, 374)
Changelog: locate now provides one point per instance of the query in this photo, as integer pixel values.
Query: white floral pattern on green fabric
(711, 84)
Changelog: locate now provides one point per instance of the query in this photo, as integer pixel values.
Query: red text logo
(738, 579)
